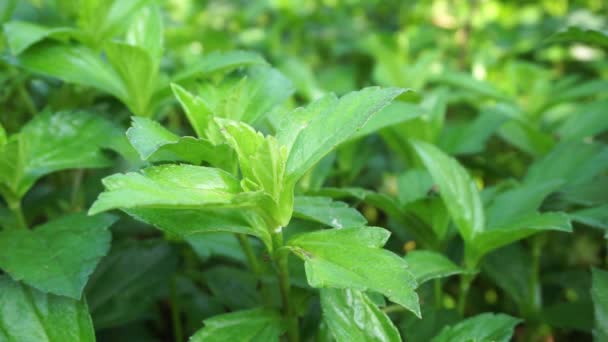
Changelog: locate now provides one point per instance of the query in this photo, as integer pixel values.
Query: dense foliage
(333, 170)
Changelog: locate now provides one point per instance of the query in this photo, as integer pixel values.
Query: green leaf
(198, 113)
(518, 229)
(518, 202)
(484, 327)
(257, 325)
(250, 98)
(347, 258)
(351, 316)
(395, 113)
(414, 329)
(103, 19)
(49, 143)
(3, 137)
(146, 32)
(427, 265)
(73, 64)
(219, 62)
(467, 82)
(233, 287)
(580, 35)
(470, 137)
(413, 185)
(594, 217)
(456, 188)
(510, 276)
(196, 224)
(304, 130)
(27, 314)
(169, 186)
(262, 163)
(138, 74)
(571, 162)
(220, 244)
(586, 121)
(21, 35)
(58, 256)
(129, 280)
(155, 143)
(328, 212)
(599, 293)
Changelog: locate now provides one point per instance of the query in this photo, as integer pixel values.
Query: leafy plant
(303, 171)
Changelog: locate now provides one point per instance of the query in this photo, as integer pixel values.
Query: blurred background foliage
(500, 83)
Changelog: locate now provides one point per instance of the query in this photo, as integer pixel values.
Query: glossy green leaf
(352, 316)
(27, 314)
(395, 113)
(599, 293)
(103, 19)
(146, 32)
(188, 223)
(256, 325)
(59, 256)
(219, 62)
(128, 280)
(73, 64)
(21, 34)
(250, 98)
(199, 114)
(455, 187)
(484, 327)
(520, 201)
(427, 265)
(347, 258)
(262, 162)
(169, 186)
(328, 212)
(155, 143)
(49, 143)
(138, 74)
(304, 131)
(518, 229)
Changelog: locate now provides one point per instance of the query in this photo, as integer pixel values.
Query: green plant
(452, 190)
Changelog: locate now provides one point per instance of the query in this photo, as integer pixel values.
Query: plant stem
(74, 195)
(534, 290)
(15, 208)
(465, 285)
(438, 294)
(289, 312)
(393, 308)
(178, 334)
(256, 268)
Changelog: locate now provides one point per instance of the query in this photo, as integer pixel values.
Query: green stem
(438, 294)
(393, 308)
(178, 334)
(15, 208)
(534, 290)
(465, 285)
(256, 268)
(74, 195)
(27, 99)
(289, 312)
